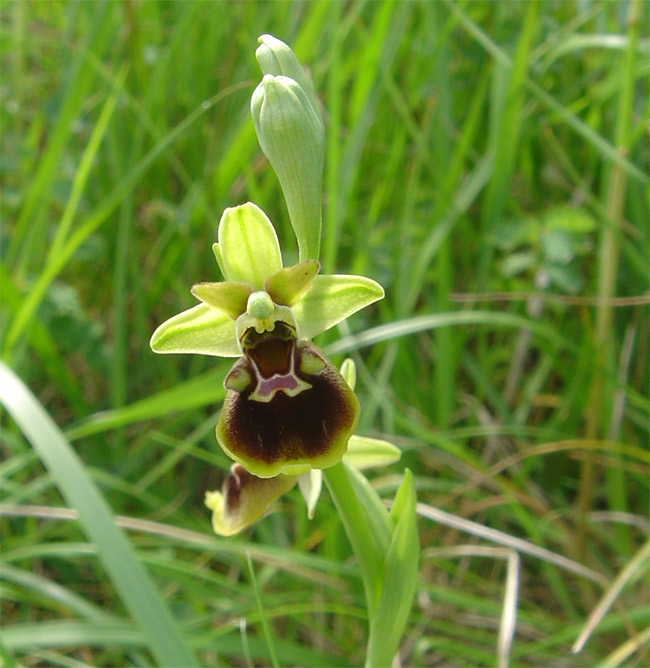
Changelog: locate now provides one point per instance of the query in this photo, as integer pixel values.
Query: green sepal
(243, 499)
(365, 453)
(201, 329)
(217, 255)
(332, 299)
(288, 285)
(248, 246)
(399, 579)
(349, 372)
(227, 296)
(310, 485)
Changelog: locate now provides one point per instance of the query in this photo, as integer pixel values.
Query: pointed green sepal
(292, 137)
(248, 246)
(227, 296)
(201, 329)
(288, 285)
(217, 255)
(332, 299)
(243, 499)
(365, 453)
(310, 484)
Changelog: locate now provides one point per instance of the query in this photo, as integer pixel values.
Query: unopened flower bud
(275, 57)
(291, 135)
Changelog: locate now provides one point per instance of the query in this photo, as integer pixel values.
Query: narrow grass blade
(94, 220)
(127, 573)
(422, 323)
(578, 125)
(260, 609)
(85, 166)
(194, 393)
(639, 561)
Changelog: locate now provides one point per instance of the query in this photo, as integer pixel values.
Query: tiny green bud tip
(260, 305)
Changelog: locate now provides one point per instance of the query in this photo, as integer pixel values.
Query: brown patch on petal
(310, 429)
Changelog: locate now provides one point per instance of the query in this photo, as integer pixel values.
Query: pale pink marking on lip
(267, 386)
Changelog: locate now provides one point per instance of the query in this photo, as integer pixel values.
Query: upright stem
(358, 530)
(608, 270)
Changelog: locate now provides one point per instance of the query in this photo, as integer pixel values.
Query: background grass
(488, 164)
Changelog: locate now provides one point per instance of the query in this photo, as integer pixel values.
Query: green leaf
(399, 579)
(365, 453)
(566, 277)
(131, 580)
(515, 263)
(229, 297)
(575, 221)
(248, 245)
(332, 299)
(557, 246)
(201, 329)
(510, 233)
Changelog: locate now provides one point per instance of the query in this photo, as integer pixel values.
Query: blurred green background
(487, 162)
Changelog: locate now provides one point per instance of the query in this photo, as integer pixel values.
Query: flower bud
(276, 58)
(291, 135)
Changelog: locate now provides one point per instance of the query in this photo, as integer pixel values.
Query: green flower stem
(387, 548)
(354, 519)
(377, 516)
(607, 276)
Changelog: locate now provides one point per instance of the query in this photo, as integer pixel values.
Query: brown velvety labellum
(301, 419)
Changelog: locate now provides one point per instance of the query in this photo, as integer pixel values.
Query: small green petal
(248, 245)
(288, 285)
(243, 499)
(281, 314)
(310, 485)
(227, 296)
(365, 453)
(332, 299)
(201, 330)
(349, 372)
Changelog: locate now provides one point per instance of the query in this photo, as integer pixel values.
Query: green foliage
(126, 131)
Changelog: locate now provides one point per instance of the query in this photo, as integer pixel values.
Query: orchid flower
(287, 410)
